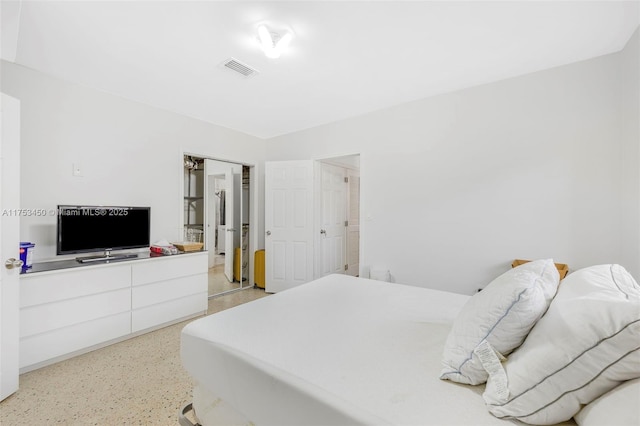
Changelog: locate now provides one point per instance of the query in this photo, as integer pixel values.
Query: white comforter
(339, 350)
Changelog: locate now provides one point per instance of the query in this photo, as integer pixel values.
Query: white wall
(131, 154)
(453, 187)
(630, 111)
(456, 186)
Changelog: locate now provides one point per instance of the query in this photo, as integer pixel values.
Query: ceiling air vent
(237, 66)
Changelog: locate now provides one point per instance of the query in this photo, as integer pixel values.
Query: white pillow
(586, 344)
(497, 319)
(620, 407)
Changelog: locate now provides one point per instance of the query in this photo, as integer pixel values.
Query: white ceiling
(347, 58)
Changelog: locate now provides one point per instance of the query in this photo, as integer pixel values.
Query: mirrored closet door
(217, 206)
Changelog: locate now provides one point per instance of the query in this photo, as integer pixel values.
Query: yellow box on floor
(236, 264)
(259, 268)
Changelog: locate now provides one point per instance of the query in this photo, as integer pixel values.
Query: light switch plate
(77, 170)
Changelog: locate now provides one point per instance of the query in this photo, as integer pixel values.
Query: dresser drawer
(162, 269)
(43, 288)
(152, 316)
(62, 342)
(151, 294)
(54, 315)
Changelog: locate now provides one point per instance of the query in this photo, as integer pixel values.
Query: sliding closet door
(230, 225)
(288, 224)
(9, 243)
(228, 251)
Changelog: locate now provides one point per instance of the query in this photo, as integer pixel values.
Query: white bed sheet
(339, 350)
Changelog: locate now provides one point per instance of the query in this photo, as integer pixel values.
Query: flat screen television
(86, 229)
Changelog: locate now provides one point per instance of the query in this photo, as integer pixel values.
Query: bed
(336, 351)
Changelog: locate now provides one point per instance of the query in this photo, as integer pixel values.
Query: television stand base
(105, 258)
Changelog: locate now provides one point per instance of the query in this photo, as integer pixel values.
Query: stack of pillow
(565, 350)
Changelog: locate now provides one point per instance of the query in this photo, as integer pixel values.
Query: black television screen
(83, 229)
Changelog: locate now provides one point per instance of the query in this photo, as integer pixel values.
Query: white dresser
(65, 312)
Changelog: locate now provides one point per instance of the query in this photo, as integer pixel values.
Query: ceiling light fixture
(273, 43)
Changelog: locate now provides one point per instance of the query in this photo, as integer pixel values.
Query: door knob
(268, 232)
(13, 263)
(323, 231)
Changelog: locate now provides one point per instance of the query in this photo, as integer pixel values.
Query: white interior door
(353, 223)
(9, 243)
(333, 216)
(229, 219)
(288, 224)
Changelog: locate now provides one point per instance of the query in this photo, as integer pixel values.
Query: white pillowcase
(498, 319)
(586, 344)
(619, 407)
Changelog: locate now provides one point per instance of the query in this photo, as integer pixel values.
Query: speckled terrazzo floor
(136, 382)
